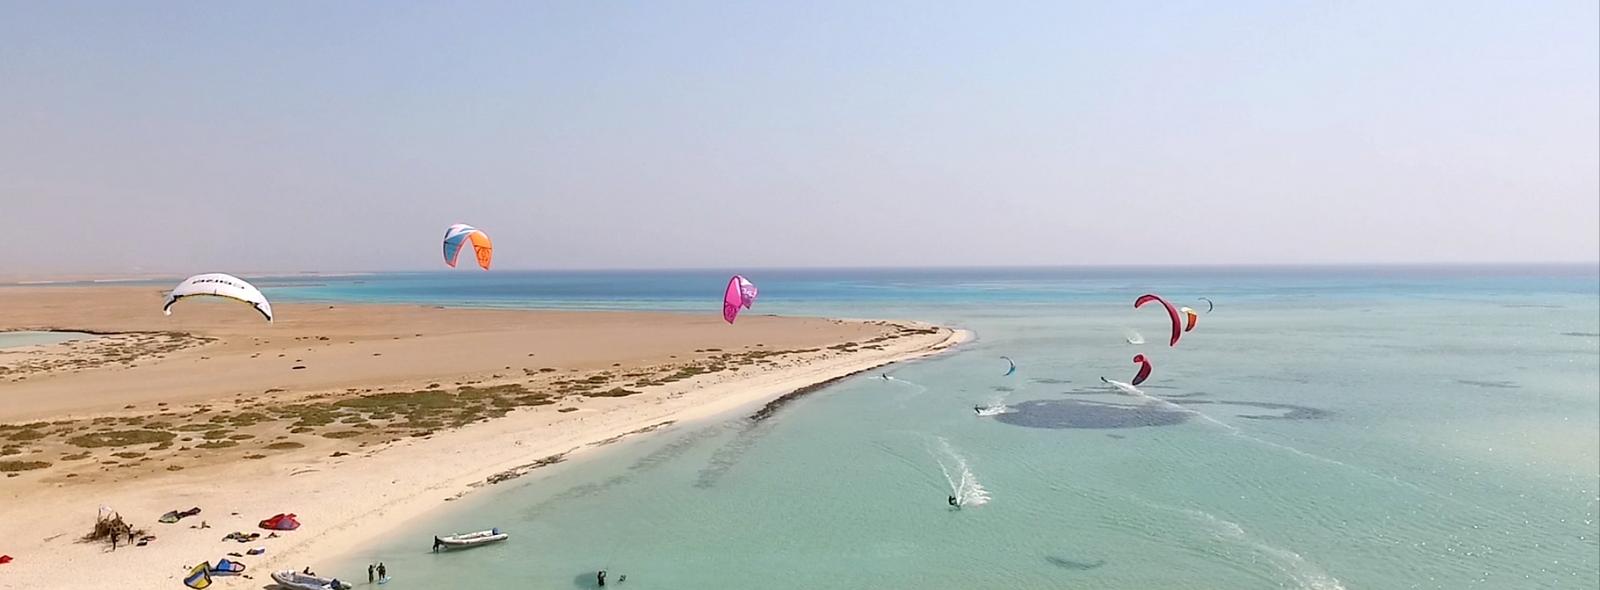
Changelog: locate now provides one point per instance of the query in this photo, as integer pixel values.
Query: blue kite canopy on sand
(227, 568)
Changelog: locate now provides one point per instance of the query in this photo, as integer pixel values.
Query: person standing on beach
(383, 572)
(370, 575)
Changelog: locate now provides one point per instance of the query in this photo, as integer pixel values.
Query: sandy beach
(354, 417)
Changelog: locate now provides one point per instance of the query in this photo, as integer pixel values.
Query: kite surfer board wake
(992, 410)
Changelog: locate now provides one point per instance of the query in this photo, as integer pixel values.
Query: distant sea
(1390, 427)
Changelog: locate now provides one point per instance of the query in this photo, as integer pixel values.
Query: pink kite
(1144, 369)
(1172, 312)
(740, 293)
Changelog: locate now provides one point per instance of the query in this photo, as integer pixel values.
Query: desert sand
(354, 417)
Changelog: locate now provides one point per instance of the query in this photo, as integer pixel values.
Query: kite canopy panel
(1144, 369)
(1172, 313)
(459, 235)
(740, 293)
(199, 577)
(1192, 318)
(217, 284)
(747, 292)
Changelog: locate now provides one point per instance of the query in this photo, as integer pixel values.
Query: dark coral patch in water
(1290, 411)
(1073, 564)
(1070, 413)
(1489, 384)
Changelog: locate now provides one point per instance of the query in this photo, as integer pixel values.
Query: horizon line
(136, 276)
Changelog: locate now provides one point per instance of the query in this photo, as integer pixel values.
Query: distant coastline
(1579, 268)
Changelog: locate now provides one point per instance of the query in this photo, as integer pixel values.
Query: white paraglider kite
(217, 284)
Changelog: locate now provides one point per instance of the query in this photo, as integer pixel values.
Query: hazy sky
(256, 136)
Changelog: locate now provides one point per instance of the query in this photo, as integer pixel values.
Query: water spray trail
(1306, 575)
(1234, 431)
(963, 484)
(995, 405)
(916, 389)
(1231, 429)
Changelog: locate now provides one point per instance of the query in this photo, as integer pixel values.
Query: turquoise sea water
(1322, 428)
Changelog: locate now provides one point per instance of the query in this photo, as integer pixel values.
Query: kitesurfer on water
(601, 577)
(953, 502)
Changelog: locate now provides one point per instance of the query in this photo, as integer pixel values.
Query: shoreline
(382, 438)
(760, 394)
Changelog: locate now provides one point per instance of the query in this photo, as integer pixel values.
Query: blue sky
(194, 136)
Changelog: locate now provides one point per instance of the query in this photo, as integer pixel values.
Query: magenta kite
(740, 293)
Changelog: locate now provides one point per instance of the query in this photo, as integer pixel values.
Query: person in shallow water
(953, 502)
(600, 577)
